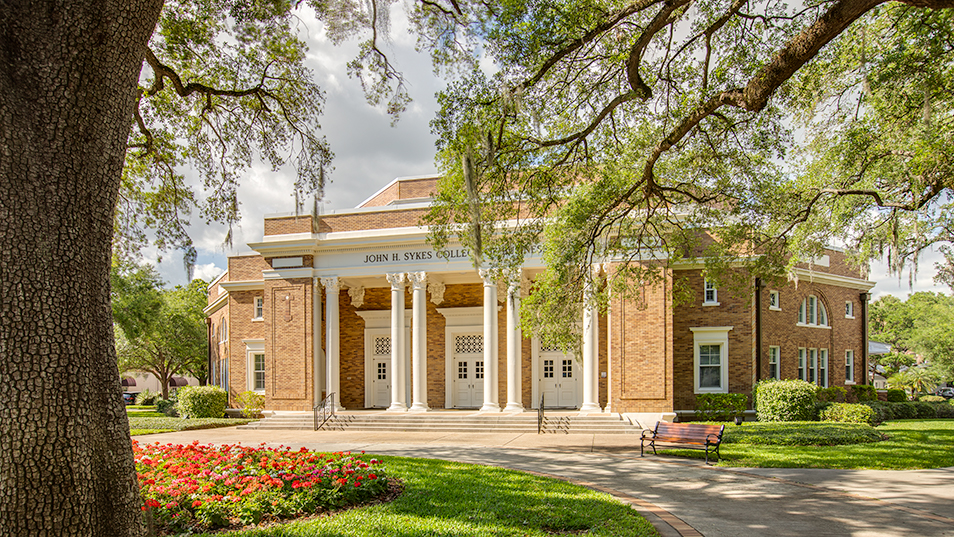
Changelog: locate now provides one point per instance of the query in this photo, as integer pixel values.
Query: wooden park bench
(684, 436)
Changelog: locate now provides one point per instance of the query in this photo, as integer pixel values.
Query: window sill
(849, 383)
(704, 304)
(257, 319)
(775, 308)
(710, 390)
(849, 316)
(803, 325)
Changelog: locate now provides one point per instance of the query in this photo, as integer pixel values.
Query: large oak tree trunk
(68, 75)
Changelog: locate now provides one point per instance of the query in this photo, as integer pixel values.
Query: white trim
(288, 274)
(778, 362)
(255, 301)
(217, 304)
(288, 262)
(395, 181)
(244, 285)
(458, 320)
(778, 300)
(253, 347)
(711, 335)
(834, 279)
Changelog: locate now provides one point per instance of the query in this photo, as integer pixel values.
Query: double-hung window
(849, 367)
(812, 312)
(801, 363)
(259, 309)
(823, 368)
(710, 364)
(812, 364)
(711, 294)
(259, 371)
(774, 353)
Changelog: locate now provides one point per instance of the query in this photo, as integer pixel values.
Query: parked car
(129, 398)
(947, 393)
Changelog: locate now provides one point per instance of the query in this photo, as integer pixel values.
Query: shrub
(252, 404)
(882, 411)
(897, 396)
(835, 394)
(862, 392)
(801, 434)
(932, 399)
(944, 410)
(202, 402)
(146, 397)
(904, 411)
(168, 406)
(926, 411)
(785, 400)
(848, 413)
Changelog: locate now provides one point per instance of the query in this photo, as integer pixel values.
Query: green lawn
(157, 422)
(910, 444)
(443, 498)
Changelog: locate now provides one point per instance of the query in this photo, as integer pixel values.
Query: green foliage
(252, 404)
(932, 399)
(896, 396)
(168, 406)
(904, 411)
(833, 394)
(944, 410)
(925, 411)
(801, 434)
(148, 425)
(882, 411)
(785, 400)
(202, 402)
(862, 392)
(720, 406)
(157, 330)
(923, 324)
(848, 413)
(146, 397)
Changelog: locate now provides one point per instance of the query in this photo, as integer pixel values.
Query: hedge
(848, 413)
(202, 402)
(785, 400)
(896, 396)
(835, 394)
(861, 393)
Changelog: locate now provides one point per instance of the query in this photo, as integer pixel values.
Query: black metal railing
(324, 411)
(540, 416)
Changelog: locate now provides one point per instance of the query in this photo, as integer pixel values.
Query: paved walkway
(680, 497)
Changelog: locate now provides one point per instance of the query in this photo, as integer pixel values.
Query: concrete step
(440, 422)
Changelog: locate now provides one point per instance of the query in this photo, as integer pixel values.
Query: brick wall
(373, 220)
(246, 267)
(283, 225)
(642, 348)
(288, 344)
(241, 327)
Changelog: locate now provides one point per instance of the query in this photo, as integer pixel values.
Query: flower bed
(200, 487)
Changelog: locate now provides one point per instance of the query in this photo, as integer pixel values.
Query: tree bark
(68, 74)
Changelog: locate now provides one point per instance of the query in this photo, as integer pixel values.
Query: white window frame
(812, 366)
(823, 368)
(775, 301)
(849, 367)
(812, 312)
(802, 362)
(706, 288)
(849, 309)
(711, 335)
(258, 308)
(253, 347)
(775, 355)
(223, 331)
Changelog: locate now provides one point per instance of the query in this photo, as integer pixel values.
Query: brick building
(359, 305)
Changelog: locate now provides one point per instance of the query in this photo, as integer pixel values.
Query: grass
(140, 407)
(444, 498)
(910, 445)
(157, 422)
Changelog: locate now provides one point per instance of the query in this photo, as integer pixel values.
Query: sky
(370, 153)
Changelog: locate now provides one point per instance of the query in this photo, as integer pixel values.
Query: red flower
(196, 503)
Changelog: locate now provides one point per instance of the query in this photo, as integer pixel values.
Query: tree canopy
(921, 325)
(160, 331)
(613, 130)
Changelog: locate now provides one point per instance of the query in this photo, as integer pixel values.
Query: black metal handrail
(540, 416)
(325, 410)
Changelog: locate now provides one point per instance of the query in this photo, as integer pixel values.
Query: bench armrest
(718, 439)
(650, 431)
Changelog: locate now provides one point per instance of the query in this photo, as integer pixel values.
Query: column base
(490, 407)
(419, 407)
(513, 407)
(397, 407)
(591, 408)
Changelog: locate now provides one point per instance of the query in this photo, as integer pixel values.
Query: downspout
(758, 329)
(864, 335)
(208, 347)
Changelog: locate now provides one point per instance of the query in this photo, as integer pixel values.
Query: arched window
(812, 312)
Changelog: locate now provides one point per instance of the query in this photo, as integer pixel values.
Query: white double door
(468, 370)
(559, 380)
(380, 368)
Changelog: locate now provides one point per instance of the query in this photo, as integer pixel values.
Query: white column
(318, 362)
(332, 354)
(591, 386)
(514, 341)
(490, 342)
(397, 341)
(419, 341)
(609, 344)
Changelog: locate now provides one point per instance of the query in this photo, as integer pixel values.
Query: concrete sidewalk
(679, 496)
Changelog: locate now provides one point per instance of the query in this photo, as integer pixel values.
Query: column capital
(418, 280)
(396, 279)
(487, 276)
(331, 283)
